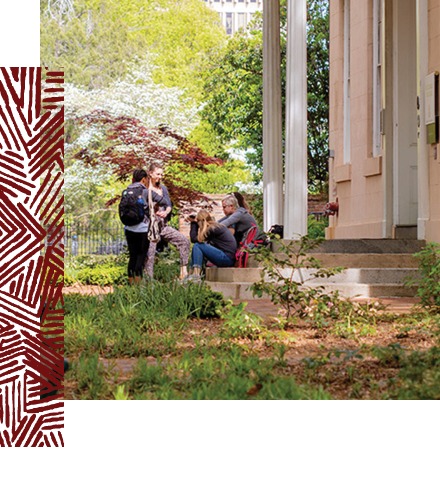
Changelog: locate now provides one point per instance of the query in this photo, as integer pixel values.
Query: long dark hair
(241, 201)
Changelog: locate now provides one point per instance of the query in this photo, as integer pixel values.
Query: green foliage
(90, 374)
(316, 227)
(86, 190)
(390, 356)
(118, 324)
(90, 42)
(120, 394)
(239, 323)
(284, 278)
(223, 373)
(217, 179)
(96, 270)
(203, 302)
(207, 139)
(234, 89)
(255, 202)
(428, 286)
(312, 364)
(93, 41)
(419, 373)
(353, 320)
(167, 265)
(420, 376)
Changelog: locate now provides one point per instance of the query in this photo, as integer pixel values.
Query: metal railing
(103, 239)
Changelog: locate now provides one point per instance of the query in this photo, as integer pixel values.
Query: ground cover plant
(95, 270)
(107, 270)
(169, 341)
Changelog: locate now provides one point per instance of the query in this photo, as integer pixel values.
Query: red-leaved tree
(129, 145)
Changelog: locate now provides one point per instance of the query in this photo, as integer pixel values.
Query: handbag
(154, 227)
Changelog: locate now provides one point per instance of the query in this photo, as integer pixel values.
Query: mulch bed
(364, 378)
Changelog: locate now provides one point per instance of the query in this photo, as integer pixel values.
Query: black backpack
(132, 206)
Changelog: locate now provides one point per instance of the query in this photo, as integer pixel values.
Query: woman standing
(212, 241)
(136, 235)
(167, 233)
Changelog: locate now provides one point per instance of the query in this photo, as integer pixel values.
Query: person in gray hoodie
(238, 219)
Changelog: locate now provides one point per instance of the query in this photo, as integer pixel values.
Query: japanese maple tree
(125, 144)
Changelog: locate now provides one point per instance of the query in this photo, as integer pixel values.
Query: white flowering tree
(135, 96)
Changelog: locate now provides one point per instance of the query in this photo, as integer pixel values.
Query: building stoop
(373, 268)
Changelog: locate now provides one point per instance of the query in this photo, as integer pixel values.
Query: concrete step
(366, 260)
(368, 245)
(240, 291)
(356, 260)
(371, 276)
(371, 245)
(374, 268)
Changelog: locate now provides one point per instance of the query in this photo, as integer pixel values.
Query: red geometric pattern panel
(31, 257)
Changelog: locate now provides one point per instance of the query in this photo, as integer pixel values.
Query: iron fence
(103, 239)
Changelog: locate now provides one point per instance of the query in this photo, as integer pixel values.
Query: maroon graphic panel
(31, 257)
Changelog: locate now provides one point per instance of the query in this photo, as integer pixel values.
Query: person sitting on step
(239, 220)
(212, 241)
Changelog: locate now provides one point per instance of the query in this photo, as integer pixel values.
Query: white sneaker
(192, 278)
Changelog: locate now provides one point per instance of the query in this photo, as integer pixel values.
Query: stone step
(371, 276)
(240, 291)
(357, 260)
(368, 245)
(366, 260)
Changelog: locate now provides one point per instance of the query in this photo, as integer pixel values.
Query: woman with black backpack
(133, 210)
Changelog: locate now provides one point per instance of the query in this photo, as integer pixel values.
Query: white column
(423, 148)
(295, 212)
(272, 124)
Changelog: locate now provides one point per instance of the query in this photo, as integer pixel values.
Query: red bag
(241, 257)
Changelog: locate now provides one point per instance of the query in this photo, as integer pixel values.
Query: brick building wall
(315, 205)
(214, 205)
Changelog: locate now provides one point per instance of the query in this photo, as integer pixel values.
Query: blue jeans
(213, 254)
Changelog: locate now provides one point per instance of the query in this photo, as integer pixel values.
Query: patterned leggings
(173, 236)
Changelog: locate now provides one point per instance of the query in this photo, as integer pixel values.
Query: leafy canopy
(234, 89)
(94, 40)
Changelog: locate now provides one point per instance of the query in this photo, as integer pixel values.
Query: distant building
(235, 14)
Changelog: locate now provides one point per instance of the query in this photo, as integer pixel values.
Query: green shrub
(428, 286)
(219, 373)
(420, 376)
(96, 270)
(120, 323)
(390, 356)
(290, 291)
(316, 227)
